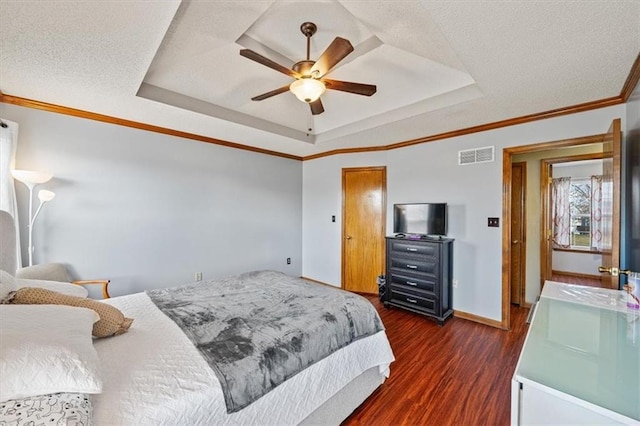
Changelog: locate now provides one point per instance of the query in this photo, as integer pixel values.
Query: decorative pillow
(47, 349)
(62, 408)
(7, 285)
(111, 322)
(60, 287)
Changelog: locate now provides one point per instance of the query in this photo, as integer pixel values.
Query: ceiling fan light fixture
(307, 89)
(310, 81)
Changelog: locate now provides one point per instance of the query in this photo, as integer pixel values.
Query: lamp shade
(307, 89)
(46, 195)
(31, 178)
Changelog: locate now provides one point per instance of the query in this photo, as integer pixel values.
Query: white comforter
(153, 375)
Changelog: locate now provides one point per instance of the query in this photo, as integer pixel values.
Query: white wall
(429, 172)
(148, 210)
(577, 169)
(322, 199)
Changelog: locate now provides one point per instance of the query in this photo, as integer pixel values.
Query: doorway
(363, 233)
(575, 255)
(508, 154)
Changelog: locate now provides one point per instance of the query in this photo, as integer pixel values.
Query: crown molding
(632, 80)
(44, 106)
(627, 89)
(602, 103)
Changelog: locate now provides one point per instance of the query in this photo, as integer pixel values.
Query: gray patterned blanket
(258, 329)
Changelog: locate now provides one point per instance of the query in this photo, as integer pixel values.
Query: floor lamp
(31, 179)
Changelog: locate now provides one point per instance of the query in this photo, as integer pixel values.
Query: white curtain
(8, 143)
(596, 213)
(561, 212)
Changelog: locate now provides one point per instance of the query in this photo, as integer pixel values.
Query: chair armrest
(104, 283)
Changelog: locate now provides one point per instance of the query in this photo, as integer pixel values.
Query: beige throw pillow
(112, 322)
(7, 285)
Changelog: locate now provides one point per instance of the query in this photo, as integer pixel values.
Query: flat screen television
(420, 219)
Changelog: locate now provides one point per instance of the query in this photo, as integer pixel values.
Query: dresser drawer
(424, 303)
(422, 283)
(424, 249)
(418, 276)
(412, 265)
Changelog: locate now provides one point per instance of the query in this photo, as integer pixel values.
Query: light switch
(493, 222)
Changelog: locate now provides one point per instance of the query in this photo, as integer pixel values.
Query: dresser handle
(411, 249)
(412, 300)
(412, 283)
(412, 267)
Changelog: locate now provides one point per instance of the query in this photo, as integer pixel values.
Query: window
(577, 213)
(580, 211)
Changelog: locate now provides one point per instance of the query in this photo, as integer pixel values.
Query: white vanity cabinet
(580, 363)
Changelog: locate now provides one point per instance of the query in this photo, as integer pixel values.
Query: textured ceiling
(438, 65)
(192, 68)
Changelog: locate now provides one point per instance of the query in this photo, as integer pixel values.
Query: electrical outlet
(455, 283)
(333, 218)
(198, 276)
(493, 222)
(288, 261)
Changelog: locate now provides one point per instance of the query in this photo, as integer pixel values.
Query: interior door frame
(546, 245)
(346, 170)
(507, 154)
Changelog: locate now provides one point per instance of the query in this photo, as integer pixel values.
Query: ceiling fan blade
(250, 54)
(337, 51)
(271, 93)
(347, 86)
(316, 107)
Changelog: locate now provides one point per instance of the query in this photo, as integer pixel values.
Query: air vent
(474, 156)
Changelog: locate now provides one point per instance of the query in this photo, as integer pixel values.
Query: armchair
(53, 276)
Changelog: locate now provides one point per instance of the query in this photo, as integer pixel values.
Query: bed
(155, 373)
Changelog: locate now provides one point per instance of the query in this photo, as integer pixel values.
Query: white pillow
(60, 287)
(7, 284)
(47, 349)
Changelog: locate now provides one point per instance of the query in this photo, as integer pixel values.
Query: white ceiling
(438, 65)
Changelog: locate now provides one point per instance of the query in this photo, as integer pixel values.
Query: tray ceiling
(438, 66)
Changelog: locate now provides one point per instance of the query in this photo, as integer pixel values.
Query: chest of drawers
(419, 276)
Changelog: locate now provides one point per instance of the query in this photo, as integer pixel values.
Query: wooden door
(611, 204)
(363, 229)
(518, 231)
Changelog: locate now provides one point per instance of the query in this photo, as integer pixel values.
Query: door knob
(613, 270)
(348, 237)
(515, 242)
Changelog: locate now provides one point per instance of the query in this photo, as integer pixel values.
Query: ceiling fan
(309, 75)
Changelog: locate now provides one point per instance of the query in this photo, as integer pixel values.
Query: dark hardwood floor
(459, 374)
